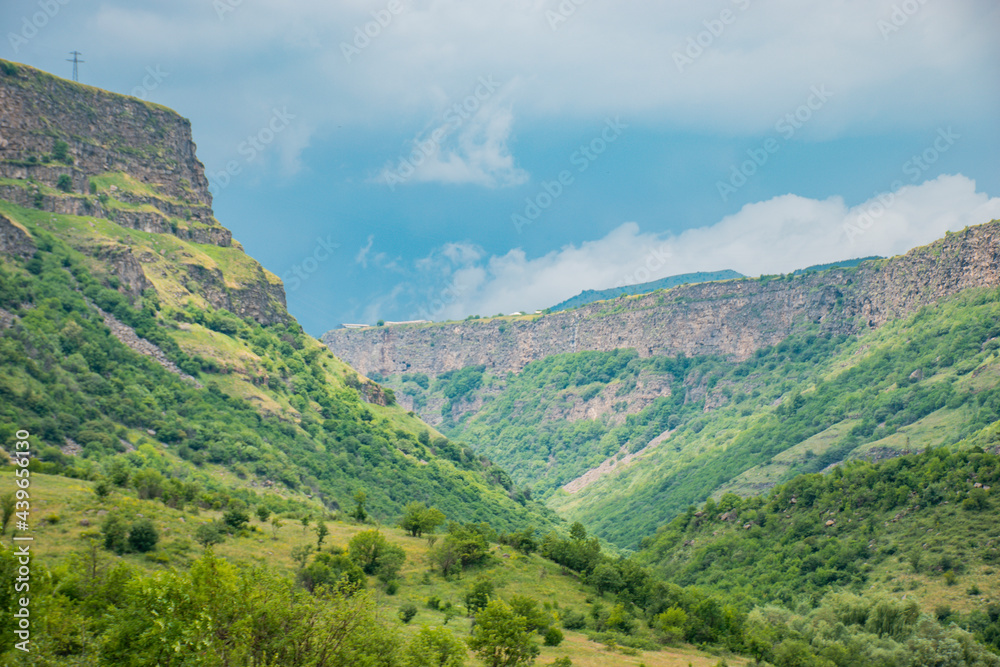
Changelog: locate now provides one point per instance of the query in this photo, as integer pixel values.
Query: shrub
(65, 183)
(236, 518)
(553, 636)
(142, 536)
(407, 612)
(574, 620)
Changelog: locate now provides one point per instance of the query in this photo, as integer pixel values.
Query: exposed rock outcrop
(105, 132)
(128, 337)
(76, 150)
(732, 318)
(14, 239)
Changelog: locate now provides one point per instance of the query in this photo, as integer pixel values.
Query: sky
(434, 159)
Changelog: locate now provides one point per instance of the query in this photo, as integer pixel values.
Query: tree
(7, 508)
(236, 518)
(275, 525)
(321, 532)
(65, 183)
(334, 571)
(500, 637)
(479, 595)
(208, 534)
(115, 532)
(528, 608)
(142, 536)
(375, 555)
(435, 647)
(305, 523)
(407, 612)
(419, 519)
(359, 513)
(606, 578)
(263, 513)
(301, 554)
(578, 532)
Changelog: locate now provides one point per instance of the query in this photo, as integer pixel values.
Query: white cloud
(775, 236)
(469, 145)
(607, 58)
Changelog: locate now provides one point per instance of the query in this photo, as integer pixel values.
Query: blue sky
(482, 157)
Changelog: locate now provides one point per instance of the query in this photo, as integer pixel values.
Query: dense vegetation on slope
(932, 514)
(799, 406)
(338, 592)
(276, 406)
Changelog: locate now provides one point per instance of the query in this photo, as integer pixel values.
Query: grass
(65, 513)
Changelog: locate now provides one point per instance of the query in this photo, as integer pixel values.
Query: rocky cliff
(732, 318)
(78, 151)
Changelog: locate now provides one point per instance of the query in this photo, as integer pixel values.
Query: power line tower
(76, 62)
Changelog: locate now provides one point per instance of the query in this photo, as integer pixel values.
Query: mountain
(887, 357)
(181, 428)
(733, 318)
(135, 329)
(589, 296)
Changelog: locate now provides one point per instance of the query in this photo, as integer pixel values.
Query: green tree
(419, 519)
(407, 612)
(208, 534)
(359, 513)
(500, 637)
(435, 647)
(275, 526)
(479, 595)
(115, 532)
(263, 513)
(65, 183)
(528, 608)
(606, 578)
(376, 555)
(143, 536)
(236, 517)
(334, 571)
(321, 532)
(301, 554)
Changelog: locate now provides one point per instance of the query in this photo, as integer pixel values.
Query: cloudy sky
(435, 158)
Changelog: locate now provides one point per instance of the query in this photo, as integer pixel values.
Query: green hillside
(590, 295)
(265, 405)
(669, 432)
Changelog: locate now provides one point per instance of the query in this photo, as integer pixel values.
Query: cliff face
(732, 318)
(79, 151)
(105, 133)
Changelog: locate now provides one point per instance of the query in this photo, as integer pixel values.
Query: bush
(236, 518)
(60, 150)
(65, 183)
(407, 612)
(142, 537)
(553, 636)
(115, 532)
(208, 534)
(574, 620)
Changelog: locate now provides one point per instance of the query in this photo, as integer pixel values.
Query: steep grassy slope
(268, 402)
(624, 444)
